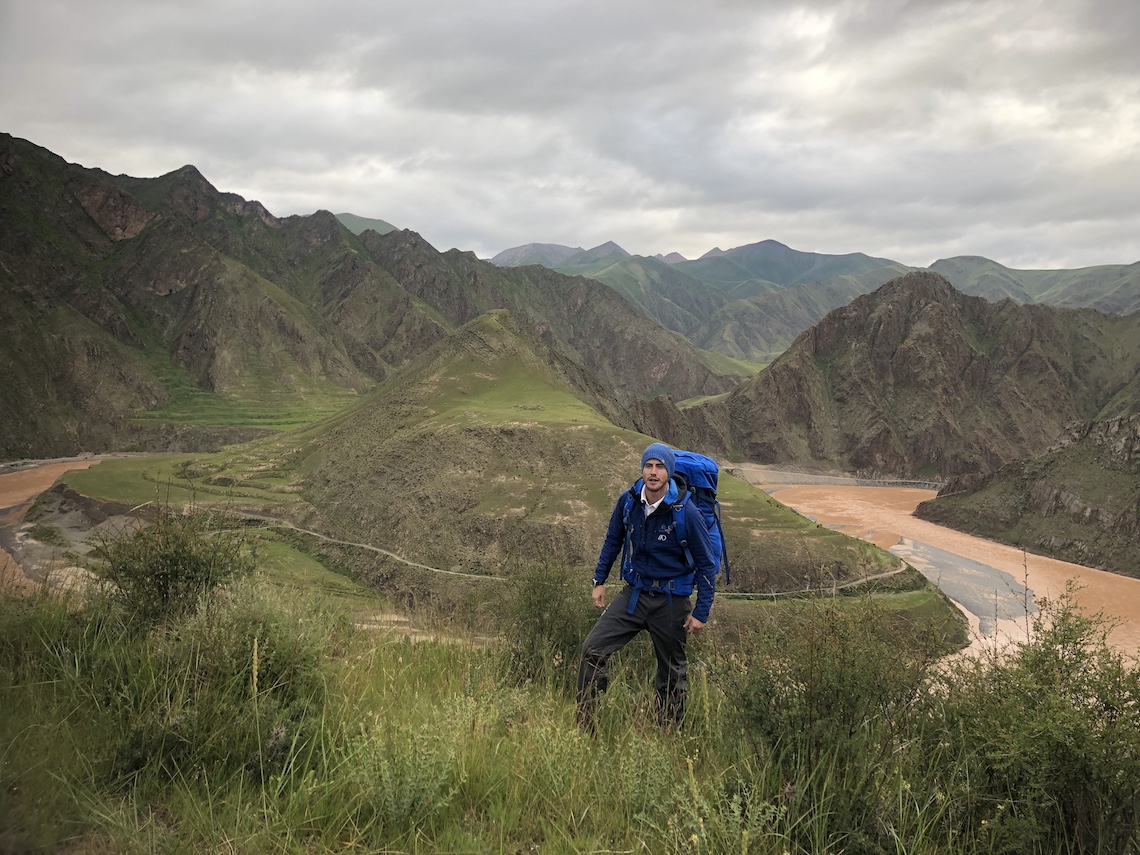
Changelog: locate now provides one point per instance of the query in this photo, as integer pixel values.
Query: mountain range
(122, 296)
(750, 302)
(164, 314)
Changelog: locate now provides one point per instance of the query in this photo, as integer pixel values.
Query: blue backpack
(698, 474)
(695, 476)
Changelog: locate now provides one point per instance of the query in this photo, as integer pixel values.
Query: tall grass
(251, 727)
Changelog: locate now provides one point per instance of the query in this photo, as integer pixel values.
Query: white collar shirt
(649, 508)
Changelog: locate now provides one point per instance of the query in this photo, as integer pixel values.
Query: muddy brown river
(991, 583)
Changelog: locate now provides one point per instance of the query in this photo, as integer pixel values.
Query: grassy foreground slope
(275, 720)
(486, 454)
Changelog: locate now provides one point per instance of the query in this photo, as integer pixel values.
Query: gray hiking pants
(663, 617)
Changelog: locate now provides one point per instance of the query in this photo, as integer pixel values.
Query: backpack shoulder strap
(627, 547)
(682, 529)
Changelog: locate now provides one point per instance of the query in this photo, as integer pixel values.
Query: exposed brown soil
(17, 490)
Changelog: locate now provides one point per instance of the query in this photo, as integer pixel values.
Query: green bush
(831, 675)
(1051, 733)
(164, 569)
(1031, 748)
(239, 687)
(544, 621)
(831, 695)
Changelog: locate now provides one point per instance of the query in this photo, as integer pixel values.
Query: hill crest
(918, 378)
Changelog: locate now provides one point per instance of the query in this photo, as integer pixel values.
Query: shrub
(1051, 733)
(237, 688)
(545, 620)
(833, 673)
(164, 569)
(830, 695)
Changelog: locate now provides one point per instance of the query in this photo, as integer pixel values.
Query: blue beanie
(662, 452)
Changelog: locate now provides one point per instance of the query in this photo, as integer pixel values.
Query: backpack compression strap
(682, 531)
(723, 544)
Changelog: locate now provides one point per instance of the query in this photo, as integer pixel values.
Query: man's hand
(692, 625)
(599, 596)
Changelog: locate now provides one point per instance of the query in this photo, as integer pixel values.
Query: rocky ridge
(919, 379)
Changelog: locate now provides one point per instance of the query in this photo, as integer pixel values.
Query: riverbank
(993, 584)
(20, 483)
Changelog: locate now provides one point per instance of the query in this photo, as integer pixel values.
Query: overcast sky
(909, 130)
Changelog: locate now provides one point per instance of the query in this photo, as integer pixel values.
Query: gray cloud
(912, 130)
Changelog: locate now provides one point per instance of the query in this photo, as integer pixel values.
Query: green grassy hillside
(487, 453)
(1111, 288)
(297, 713)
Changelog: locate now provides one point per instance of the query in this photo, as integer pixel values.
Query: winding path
(279, 523)
(19, 486)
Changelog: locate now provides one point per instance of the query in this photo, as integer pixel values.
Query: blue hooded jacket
(657, 556)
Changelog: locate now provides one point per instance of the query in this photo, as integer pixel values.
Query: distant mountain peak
(608, 246)
(606, 252)
(546, 254)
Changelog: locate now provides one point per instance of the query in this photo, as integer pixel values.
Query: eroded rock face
(917, 378)
(235, 204)
(1118, 437)
(1115, 446)
(117, 213)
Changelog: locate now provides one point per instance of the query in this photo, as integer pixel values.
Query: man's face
(655, 475)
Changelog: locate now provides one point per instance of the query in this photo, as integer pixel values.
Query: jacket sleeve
(615, 539)
(702, 550)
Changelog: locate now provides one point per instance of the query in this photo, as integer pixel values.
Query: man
(661, 572)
